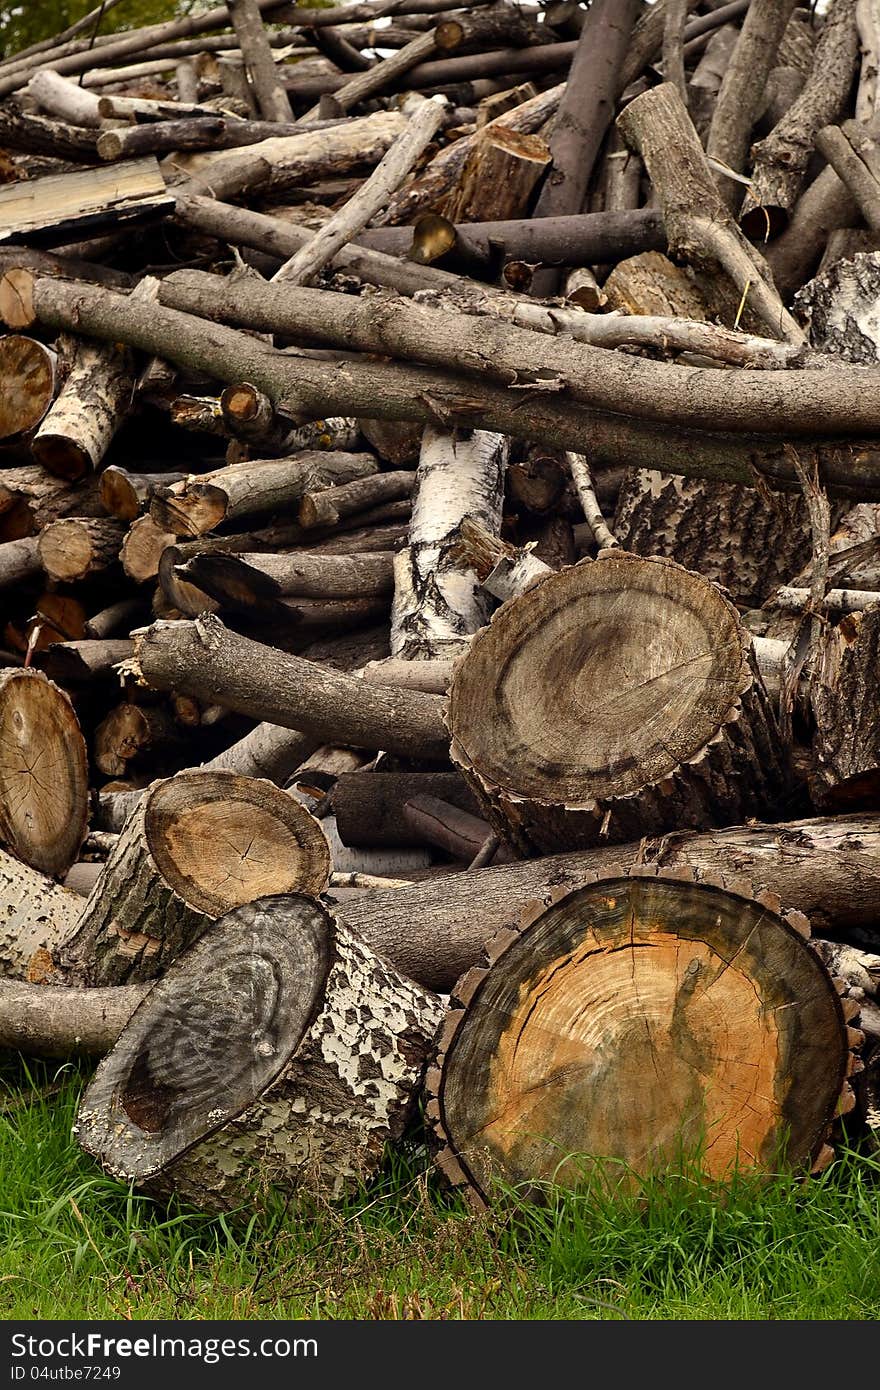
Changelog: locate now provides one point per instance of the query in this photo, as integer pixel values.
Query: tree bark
(44, 798)
(64, 1022)
(300, 573)
(827, 403)
(543, 1054)
(203, 659)
(328, 506)
(843, 699)
(194, 847)
(77, 430)
(34, 911)
(780, 161)
(691, 742)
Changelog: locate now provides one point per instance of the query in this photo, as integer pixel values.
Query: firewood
(266, 991)
(853, 169)
(32, 498)
(73, 663)
(29, 377)
(780, 160)
(194, 847)
(621, 776)
(125, 495)
(200, 504)
(540, 1063)
(327, 506)
(32, 910)
(43, 773)
(77, 429)
(502, 169)
(74, 547)
(115, 619)
(254, 44)
(143, 547)
(130, 730)
(300, 573)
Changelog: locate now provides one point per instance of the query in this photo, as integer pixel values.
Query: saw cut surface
(645, 1020)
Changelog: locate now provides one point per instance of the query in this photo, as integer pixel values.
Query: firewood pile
(440, 586)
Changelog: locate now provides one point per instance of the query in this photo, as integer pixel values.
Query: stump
(278, 1052)
(644, 1020)
(614, 699)
(44, 789)
(196, 846)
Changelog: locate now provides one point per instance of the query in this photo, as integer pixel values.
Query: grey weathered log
(253, 41)
(204, 659)
(65, 1021)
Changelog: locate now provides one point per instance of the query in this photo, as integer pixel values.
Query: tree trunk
(780, 161)
(196, 846)
(44, 795)
(76, 431)
(242, 1072)
(543, 1055)
(566, 747)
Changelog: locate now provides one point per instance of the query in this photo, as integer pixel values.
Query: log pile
(440, 578)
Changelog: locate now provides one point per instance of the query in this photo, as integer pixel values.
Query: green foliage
(74, 1244)
(27, 23)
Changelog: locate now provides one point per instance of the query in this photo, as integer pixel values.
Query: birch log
(279, 1053)
(77, 430)
(437, 604)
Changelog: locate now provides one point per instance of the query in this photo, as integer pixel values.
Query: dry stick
(831, 403)
(586, 491)
(781, 160)
(204, 659)
(673, 44)
(833, 144)
(743, 87)
(365, 84)
(271, 96)
(585, 112)
(370, 197)
(698, 225)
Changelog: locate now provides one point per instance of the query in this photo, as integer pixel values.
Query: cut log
(435, 930)
(75, 663)
(74, 547)
(712, 995)
(843, 698)
(242, 1073)
(44, 797)
(196, 846)
(326, 506)
(55, 210)
(502, 169)
(143, 547)
(34, 912)
(28, 382)
(76, 431)
(199, 504)
(125, 495)
(617, 698)
(437, 603)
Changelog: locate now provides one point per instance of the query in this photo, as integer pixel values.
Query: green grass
(74, 1244)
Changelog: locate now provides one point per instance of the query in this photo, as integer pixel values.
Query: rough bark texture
(566, 747)
(75, 434)
(64, 1022)
(253, 41)
(543, 1056)
(195, 847)
(840, 309)
(843, 697)
(301, 1088)
(43, 773)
